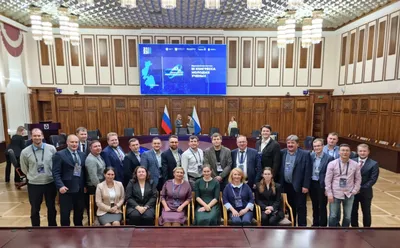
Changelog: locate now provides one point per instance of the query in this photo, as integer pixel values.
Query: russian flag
(166, 122)
(197, 126)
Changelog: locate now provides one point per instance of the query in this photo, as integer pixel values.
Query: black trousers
(365, 199)
(17, 179)
(145, 219)
(319, 202)
(35, 194)
(72, 201)
(297, 201)
(270, 219)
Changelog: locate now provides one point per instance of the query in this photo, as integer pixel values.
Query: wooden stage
(199, 237)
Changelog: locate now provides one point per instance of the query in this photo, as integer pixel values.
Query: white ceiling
(191, 13)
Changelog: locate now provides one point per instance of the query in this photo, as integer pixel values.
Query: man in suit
(331, 147)
(190, 125)
(84, 144)
(269, 150)
(17, 144)
(220, 160)
(69, 174)
(319, 200)
(247, 159)
(171, 158)
(369, 176)
(151, 160)
(131, 160)
(113, 156)
(295, 177)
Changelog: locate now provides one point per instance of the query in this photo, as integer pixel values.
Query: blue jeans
(244, 220)
(334, 211)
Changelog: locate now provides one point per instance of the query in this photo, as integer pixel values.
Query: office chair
(234, 132)
(256, 134)
(128, 132)
(308, 143)
(276, 135)
(153, 131)
(182, 131)
(213, 130)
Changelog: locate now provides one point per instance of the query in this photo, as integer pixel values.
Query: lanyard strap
(173, 189)
(197, 162)
(240, 192)
(340, 168)
(34, 154)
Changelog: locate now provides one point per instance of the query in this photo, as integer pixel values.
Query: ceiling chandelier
(311, 29)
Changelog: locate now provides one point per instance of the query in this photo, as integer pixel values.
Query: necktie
(119, 154)
(83, 147)
(75, 158)
(361, 163)
(241, 160)
(138, 157)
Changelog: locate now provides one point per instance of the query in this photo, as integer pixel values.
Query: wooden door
(319, 120)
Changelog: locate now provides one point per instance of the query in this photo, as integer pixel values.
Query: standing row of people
(297, 171)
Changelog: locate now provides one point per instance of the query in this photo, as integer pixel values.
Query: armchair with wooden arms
(92, 213)
(287, 210)
(256, 210)
(159, 208)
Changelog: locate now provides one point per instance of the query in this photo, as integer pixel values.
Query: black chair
(153, 131)
(128, 132)
(94, 134)
(276, 135)
(308, 143)
(234, 132)
(213, 130)
(62, 138)
(58, 140)
(256, 134)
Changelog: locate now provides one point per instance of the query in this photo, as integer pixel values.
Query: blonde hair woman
(238, 199)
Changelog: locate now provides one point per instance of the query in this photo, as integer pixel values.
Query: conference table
(204, 142)
(388, 157)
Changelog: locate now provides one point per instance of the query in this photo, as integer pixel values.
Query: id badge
(200, 169)
(238, 202)
(288, 167)
(77, 170)
(343, 183)
(40, 168)
(176, 203)
(316, 173)
(219, 167)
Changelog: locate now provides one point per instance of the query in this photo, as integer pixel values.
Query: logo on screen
(146, 50)
(176, 71)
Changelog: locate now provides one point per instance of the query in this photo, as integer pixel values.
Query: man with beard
(171, 158)
(295, 178)
(113, 156)
(151, 160)
(192, 161)
(220, 160)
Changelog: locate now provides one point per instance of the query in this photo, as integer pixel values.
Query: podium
(48, 128)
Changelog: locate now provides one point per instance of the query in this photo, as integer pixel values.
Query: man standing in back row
(369, 176)
(36, 163)
(113, 156)
(192, 161)
(220, 160)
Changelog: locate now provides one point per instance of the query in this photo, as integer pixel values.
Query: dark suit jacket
(134, 197)
(253, 165)
(63, 171)
(87, 147)
(325, 160)
(112, 159)
(369, 176)
(302, 170)
(130, 163)
(270, 156)
(168, 164)
(17, 144)
(267, 198)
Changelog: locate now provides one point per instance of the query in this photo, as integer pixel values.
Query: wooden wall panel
(261, 54)
(246, 109)
(78, 112)
(219, 114)
(232, 51)
(203, 110)
(149, 115)
(393, 35)
(371, 41)
(74, 50)
(89, 56)
(274, 114)
(274, 55)
(232, 108)
(106, 115)
(92, 113)
(132, 51)
(59, 50)
(44, 53)
(118, 55)
(381, 39)
(63, 113)
(317, 56)
(287, 113)
(121, 114)
(259, 113)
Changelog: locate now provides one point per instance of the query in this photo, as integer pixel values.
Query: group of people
(245, 176)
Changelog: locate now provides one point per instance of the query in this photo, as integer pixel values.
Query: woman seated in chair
(109, 199)
(176, 194)
(207, 193)
(268, 197)
(238, 199)
(141, 197)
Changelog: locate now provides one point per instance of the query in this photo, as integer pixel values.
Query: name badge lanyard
(240, 193)
(340, 168)
(197, 162)
(34, 154)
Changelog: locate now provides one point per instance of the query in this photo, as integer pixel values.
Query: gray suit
(95, 168)
(225, 160)
(190, 126)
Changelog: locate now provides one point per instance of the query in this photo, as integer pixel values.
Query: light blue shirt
(78, 159)
(333, 153)
(158, 156)
(289, 166)
(35, 148)
(316, 167)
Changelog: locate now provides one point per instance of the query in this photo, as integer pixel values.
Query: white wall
(372, 87)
